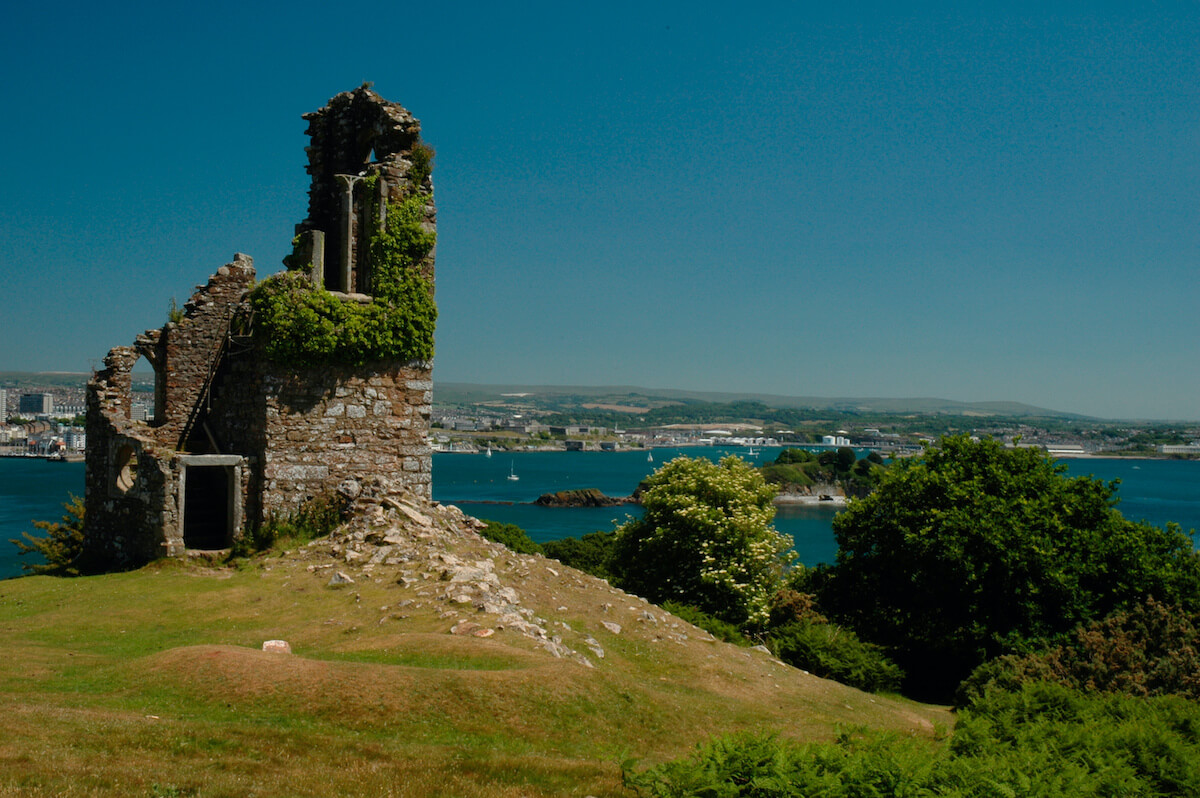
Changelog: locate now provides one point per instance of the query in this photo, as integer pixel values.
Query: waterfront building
(1192, 448)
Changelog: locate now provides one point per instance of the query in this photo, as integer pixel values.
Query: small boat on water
(512, 474)
(649, 457)
(488, 451)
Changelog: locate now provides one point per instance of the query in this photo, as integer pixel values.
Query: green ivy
(303, 324)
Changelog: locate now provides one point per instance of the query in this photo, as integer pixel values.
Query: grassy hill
(633, 396)
(450, 666)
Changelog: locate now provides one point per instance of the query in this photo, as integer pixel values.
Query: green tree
(973, 550)
(845, 458)
(706, 540)
(60, 546)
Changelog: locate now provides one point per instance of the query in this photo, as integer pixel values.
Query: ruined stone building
(270, 393)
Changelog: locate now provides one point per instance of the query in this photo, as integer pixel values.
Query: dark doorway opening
(207, 510)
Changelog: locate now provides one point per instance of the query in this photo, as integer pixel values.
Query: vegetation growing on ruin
(315, 518)
(303, 324)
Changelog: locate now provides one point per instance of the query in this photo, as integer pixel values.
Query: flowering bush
(706, 540)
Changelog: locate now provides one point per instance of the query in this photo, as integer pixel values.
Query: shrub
(590, 553)
(705, 539)
(714, 626)
(1043, 740)
(1150, 650)
(60, 547)
(832, 652)
(510, 535)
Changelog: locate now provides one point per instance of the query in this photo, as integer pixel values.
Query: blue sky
(886, 200)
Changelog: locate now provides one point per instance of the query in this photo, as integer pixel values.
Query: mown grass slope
(154, 683)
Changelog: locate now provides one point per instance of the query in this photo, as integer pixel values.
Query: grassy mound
(154, 682)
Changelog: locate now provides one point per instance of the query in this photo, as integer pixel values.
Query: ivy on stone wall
(303, 324)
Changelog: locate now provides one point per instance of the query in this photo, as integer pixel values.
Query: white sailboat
(488, 452)
(512, 475)
(649, 457)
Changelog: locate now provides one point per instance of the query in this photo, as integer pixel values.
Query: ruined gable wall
(190, 347)
(359, 133)
(132, 469)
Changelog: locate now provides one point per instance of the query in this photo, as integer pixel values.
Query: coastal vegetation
(974, 550)
(154, 682)
(705, 550)
(1066, 635)
(59, 547)
(705, 538)
(799, 469)
(1040, 740)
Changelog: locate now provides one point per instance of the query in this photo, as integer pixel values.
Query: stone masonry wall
(328, 425)
(359, 132)
(128, 492)
(189, 348)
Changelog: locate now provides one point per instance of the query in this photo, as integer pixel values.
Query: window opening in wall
(126, 465)
(208, 507)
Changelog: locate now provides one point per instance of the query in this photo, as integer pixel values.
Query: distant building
(3, 405)
(1191, 448)
(834, 440)
(36, 404)
(76, 438)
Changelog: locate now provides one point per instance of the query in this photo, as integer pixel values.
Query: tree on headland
(973, 550)
(60, 546)
(705, 539)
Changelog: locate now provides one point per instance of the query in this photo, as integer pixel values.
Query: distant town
(45, 418)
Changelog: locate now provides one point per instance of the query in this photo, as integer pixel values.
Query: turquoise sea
(1156, 491)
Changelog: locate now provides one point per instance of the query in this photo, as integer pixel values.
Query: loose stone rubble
(434, 553)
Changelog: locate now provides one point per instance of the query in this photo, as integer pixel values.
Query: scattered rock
(277, 647)
(340, 578)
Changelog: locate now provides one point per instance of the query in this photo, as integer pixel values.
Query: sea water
(1155, 491)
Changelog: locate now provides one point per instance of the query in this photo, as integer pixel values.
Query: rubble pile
(435, 554)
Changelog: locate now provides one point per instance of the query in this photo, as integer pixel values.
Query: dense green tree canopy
(705, 539)
(973, 549)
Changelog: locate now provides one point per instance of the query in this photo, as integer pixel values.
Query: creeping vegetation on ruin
(303, 324)
(422, 164)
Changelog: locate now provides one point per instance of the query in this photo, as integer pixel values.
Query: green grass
(154, 683)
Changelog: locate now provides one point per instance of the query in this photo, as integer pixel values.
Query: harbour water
(1156, 491)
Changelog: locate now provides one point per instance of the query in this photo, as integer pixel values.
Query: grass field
(154, 683)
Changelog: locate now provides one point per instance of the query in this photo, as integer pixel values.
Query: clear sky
(834, 199)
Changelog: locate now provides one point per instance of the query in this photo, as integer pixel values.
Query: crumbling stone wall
(283, 433)
(133, 474)
(328, 425)
(358, 133)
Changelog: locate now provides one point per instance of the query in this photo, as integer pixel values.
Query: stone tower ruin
(273, 393)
